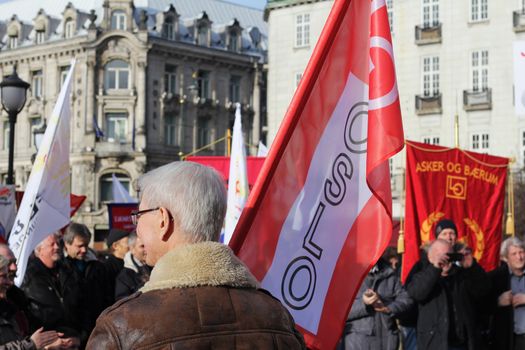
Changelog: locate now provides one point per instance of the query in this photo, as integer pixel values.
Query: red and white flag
(319, 216)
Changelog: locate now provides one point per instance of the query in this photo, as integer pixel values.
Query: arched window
(116, 75)
(118, 20)
(106, 186)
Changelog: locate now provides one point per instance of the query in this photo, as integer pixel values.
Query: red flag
(466, 187)
(319, 216)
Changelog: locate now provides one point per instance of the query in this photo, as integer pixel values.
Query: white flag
(45, 207)
(120, 194)
(238, 179)
(262, 150)
(519, 73)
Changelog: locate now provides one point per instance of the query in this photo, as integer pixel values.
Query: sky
(258, 4)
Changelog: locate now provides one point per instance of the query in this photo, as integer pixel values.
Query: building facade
(453, 58)
(152, 81)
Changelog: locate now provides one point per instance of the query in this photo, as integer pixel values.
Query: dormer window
(13, 42)
(169, 29)
(40, 36)
(69, 28)
(202, 35)
(233, 44)
(118, 20)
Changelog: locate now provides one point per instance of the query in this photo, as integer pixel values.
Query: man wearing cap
(117, 242)
(446, 292)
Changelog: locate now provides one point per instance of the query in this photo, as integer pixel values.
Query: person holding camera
(446, 288)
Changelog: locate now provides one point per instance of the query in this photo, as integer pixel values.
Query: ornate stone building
(152, 81)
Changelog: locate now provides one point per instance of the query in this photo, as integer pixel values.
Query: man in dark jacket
(117, 242)
(508, 297)
(135, 272)
(199, 296)
(88, 273)
(54, 296)
(371, 323)
(445, 294)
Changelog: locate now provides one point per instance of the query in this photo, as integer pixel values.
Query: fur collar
(200, 264)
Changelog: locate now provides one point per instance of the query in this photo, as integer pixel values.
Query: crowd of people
(199, 295)
(66, 287)
(448, 302)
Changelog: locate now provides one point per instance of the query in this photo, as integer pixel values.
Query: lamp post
(13, 91)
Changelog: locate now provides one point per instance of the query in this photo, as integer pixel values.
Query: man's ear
(165, 224)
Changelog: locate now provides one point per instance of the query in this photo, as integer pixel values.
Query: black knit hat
(114, 235)
(443, 224)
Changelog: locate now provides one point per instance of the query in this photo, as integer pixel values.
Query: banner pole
(509, 225)
(456, 130)
(401, 238)
(228, 142)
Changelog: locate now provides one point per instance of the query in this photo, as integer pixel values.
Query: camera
(453, 257)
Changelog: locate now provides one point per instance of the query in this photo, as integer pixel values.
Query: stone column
(89, 95)
(140, 110)
(256, 126)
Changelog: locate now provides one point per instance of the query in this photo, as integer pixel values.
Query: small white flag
(262, 150)
(45, 207)
(238, 179)
(120, 194)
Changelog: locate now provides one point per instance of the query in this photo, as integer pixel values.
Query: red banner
(222, 165)
(120, 215)
(466, 187)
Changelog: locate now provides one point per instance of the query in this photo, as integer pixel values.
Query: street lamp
(13, 91)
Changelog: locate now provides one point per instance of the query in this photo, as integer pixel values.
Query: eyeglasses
(135, 214)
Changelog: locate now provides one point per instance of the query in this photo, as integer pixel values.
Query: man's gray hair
(132, 239)
(58, 237)
(511, 241)
(193, 193)
(76, 230)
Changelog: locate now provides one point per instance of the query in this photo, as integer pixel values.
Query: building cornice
(278, 4)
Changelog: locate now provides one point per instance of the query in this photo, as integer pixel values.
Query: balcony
(428, 104)
(428, 34)
(519, 20)
(477, 100)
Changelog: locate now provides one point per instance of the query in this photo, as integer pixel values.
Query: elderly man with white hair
(508, 291)
(199, 294)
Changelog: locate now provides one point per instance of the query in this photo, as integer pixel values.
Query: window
(233, 45)
(430, 11)
(302, 30)
(298, 77)
(170, 79)
(203, 84)
(479, 10)
(118, 20)
(480, 142)
(34, 123)
(13, 42)
(431, 140)
(40, 36)
(480, 70)
(203, 132)
(106, 186)
(171, 130)
(169, 29)
(69, 28)
(390, 11)
(37, 84)
(522, 2)
(431, 76)
(202, 35)
(235, 88)
(116, 127)
(6, 135)
(117, 75)
(63, 74)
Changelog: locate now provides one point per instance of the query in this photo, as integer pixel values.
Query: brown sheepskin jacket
(199, 296)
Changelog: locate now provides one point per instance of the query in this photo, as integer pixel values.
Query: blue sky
(259, 4)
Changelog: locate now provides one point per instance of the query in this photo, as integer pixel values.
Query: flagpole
(456, 130)
(509, 224)
(401, 238)
(228, 142)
